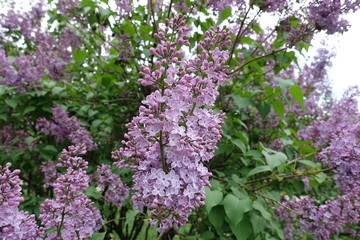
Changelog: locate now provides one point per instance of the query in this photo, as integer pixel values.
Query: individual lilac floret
(115, 191)
(174, 132)
(14, 224)
(64, 127)
(71, 213)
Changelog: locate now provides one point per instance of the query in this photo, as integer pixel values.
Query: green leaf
(130, 216)
(79, 56)
(233, 209)
(278, 106)
(129, 28)
(258, 206)
(12, 102)
(284, 83)
(212, 199)
(237, 142)
(50, 148)
(98, 236)
(308, 163)
(242, 230)
(29, 109)
(217, 217)
(264, 109)
(321, 177)
(57, 90)
(298, 95)
(241, 102)
(92, 192)
(273, 158)
(258, 223)
(259, 170)
(224, 15)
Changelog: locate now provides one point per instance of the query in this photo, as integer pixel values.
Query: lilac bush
(163, 119)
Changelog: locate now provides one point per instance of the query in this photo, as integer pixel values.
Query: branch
(278, 202)
(238, 36)
(255, 59)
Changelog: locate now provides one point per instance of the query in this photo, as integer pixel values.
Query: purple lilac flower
(124, 6)
(343, 154)
(10, 137)
(326, 14)
(115, 191)
(71, 213)
(174, 133)
(28, 22)
(14, 224)
(48, 168)
(321, 221)
(220, 5)
(274, 5)
(64, 127)
(67, 6)
(343, 114)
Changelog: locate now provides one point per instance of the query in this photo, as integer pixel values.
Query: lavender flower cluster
(49, 58)
(343, 154)
(11, 137)
(115, 191)
(71, 213)
(174, 132)
(64, 127)
(320, 221)
(326, 14)
(14, 224)
(340, 138)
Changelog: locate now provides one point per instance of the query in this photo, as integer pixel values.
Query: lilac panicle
(174, 132)
(339, 138)
(14, 224)
(64, 127)
(321, 221)
(115, 191)
(71, 213)
(327, 14)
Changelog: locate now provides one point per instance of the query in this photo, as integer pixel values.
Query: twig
(278, 202)
(257, 58)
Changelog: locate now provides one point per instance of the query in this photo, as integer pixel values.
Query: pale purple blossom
(174, 133)
(63, 127)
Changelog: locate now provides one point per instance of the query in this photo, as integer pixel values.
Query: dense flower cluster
(174, 132)
(339, 134)
(10, 137)
(222, 4)
(27, 22)
(342, 115)
(49, 55)
(71, 213)
(115, 191)
(64, 127)
(343, 154)
(48, 168)
(14, 224)
(327, 14)
(320, 221)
